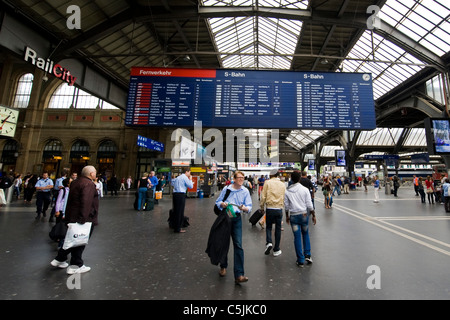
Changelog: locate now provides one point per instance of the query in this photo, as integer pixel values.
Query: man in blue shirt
(154, 182)
(241, 201)
(44, 188)
(180, 185)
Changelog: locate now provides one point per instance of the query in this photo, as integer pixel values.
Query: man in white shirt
(298, 206)
(180, 185)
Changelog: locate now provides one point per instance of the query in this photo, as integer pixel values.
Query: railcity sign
(49, 66)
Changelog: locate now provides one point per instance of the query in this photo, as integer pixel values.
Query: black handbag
(217, 210)
(58, 232)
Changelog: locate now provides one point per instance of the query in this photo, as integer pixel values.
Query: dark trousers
(178, 203)
(75, 253)
(43, 200)
(447, 204)
(274, 216)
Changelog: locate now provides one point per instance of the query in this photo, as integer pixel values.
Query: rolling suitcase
(255, 217)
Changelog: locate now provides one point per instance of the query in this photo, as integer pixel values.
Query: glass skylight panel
(380, 137)
(271, 41)
(386, 75)
(416, 137)
(424, 21)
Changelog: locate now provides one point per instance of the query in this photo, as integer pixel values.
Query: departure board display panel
(250, 99)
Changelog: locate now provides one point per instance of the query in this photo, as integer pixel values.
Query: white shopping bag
(77, 235)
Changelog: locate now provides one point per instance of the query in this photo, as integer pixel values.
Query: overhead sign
(250, 99)
(49, 66)
(150, 144)
(381, 157)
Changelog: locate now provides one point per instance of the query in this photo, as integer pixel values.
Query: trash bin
(200, 194)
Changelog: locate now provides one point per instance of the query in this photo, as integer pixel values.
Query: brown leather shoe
(241, 279)
(222, 272)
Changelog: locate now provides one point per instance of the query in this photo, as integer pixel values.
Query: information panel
(250, 99)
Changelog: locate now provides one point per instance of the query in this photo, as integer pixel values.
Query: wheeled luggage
(256, 216)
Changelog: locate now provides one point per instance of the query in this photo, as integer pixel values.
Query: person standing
(376, 188)
(153, 182)
(430, 189)
(129, 182)
(396, 183)
(142, 186)
(307, 183)
(44, 188)
(420, 189)
(298, 207)
(416, 185)
(180, 185)
(260, 185)
(446, 194)
(81, 206)
(272, 203)
(239, 197)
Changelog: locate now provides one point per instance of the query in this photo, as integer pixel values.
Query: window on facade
(66, 96)
(23, 91)
(53, 145)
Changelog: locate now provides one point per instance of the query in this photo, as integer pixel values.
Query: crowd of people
(76, 200)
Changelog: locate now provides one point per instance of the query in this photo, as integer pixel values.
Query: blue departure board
(250, 99)
(150, 144)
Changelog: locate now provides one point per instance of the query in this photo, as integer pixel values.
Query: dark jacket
(82, 204)
(219, 239)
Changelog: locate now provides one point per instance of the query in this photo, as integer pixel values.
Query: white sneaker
(59, 264)
(276, 253)
(76, 269)
(268, 248)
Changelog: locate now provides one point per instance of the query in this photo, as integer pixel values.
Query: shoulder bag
(217, 210)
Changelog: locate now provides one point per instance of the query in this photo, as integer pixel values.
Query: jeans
(299, 225)
(274, 216)
(142, 194)
(236, 236)
(337, 189)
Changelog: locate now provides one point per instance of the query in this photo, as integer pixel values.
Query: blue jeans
(236, 236)
(274, 216)
(142, 192)
(299, 225)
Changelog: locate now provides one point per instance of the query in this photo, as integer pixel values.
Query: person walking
(376, 188)
(82, 206)
(299, 207)
(240, 200)
(180, 185)
(272, 203)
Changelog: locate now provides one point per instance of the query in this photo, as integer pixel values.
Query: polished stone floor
(136, 256)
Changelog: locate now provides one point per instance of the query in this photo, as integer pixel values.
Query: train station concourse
(351, 91)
